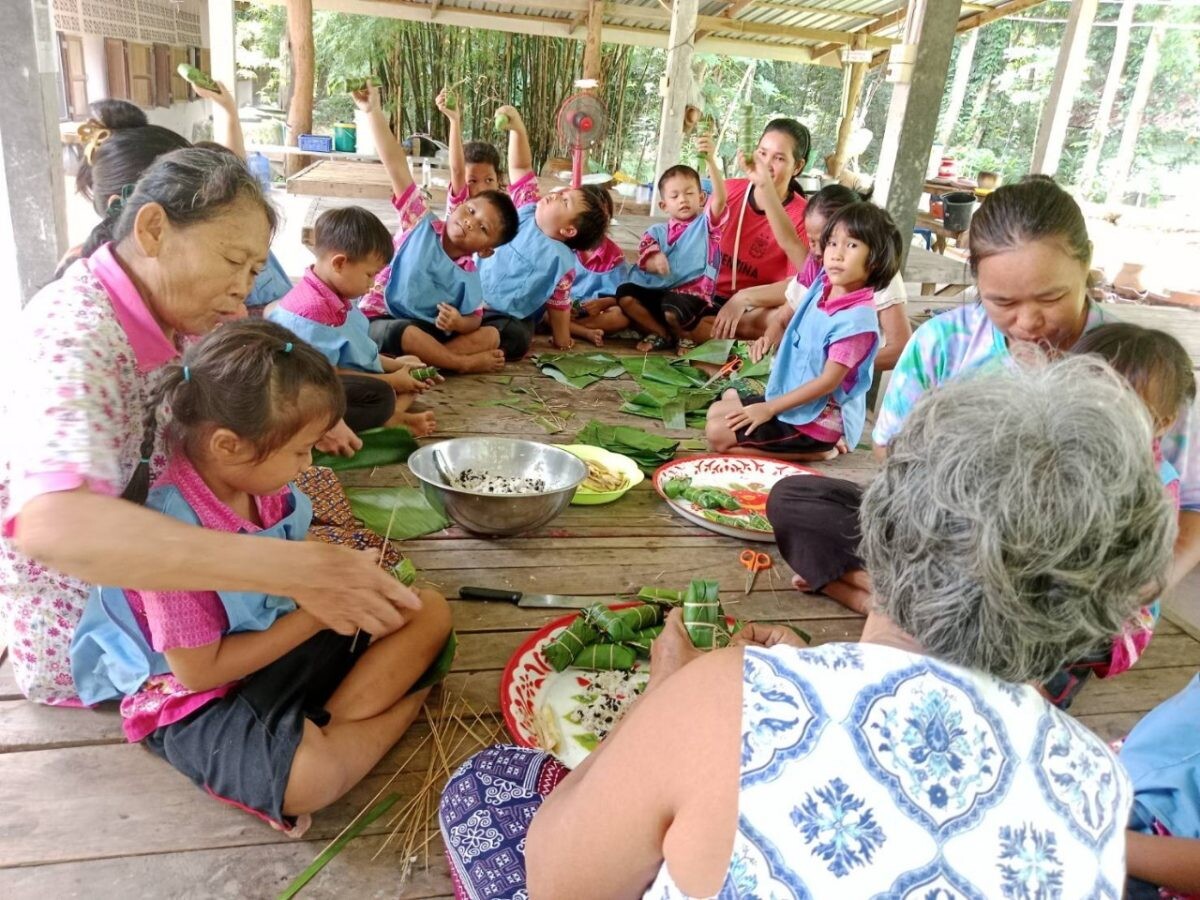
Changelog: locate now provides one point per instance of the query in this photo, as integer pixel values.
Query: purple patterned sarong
(485, 813)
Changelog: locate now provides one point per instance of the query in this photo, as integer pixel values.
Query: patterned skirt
(485, 813)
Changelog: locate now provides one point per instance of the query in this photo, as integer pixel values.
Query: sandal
(652, 342)
(683, 345)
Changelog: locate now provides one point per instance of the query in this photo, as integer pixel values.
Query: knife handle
(482, 593)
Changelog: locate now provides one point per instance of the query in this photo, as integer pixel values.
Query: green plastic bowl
(614, 461)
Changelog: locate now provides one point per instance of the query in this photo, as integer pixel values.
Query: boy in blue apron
(672, 287)
(428, 302)
(533, 275)
(352, 246)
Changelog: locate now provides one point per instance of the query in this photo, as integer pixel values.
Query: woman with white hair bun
(917, 762)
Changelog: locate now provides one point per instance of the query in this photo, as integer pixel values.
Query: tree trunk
(1133, 121)
(300, 35)
(1091, 162)
(958, 91)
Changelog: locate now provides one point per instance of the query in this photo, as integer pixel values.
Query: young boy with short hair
(352, 246)
(429, 302)
(672, 289)
(534, 273)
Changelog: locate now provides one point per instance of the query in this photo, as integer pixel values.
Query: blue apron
(688, 256)
(346, 346)
(423, 275)
(801, 358)
(520, 277)
(271, 284)
(110, 656)
(590, 284)
(1161, 755)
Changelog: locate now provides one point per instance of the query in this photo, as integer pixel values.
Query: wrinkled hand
(367, 99)
(340, 440)
(749, 417)
(671, 650)
(728, 316)
(760, 634)
(454, 114)
(345, 589)
(656, 264)
(448, 318)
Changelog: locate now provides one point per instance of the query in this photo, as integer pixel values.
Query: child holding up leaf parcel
(816, 394)
(429, 301)
(672, 288)
(533, 274)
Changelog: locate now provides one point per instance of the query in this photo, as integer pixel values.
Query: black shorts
(688, 309)
(370, 401)
(388, 333)
(240, 747)
(777, 436)
(516, 335)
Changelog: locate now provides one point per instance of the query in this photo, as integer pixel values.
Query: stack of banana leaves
(602, 638)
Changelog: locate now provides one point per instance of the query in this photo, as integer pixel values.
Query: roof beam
(809, 10)
(996, 12)
(711, 24)
(881, 24)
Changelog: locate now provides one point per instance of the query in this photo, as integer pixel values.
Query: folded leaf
(649, 369)
(606, 656)
(622, 625)
(643, 639)
(440, 667)
(715, 352)
(381, 447)
(647, 450)
(414, 515)
(405, 572)
(562, 651)
(578, 370)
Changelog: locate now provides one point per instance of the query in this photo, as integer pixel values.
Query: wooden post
(958, 90)
(33, 215)
(677, 87)
(1068, 75)
(858, 72)
(299, 120)
(912, 116)
(1133, 121)
(591, 49)
(1112, 82)
(223, 42)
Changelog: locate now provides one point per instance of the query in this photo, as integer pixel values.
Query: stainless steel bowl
(500, 514)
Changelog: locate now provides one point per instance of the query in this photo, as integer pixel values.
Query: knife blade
(526, 601)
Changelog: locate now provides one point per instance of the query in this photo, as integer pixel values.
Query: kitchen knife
(526, 601)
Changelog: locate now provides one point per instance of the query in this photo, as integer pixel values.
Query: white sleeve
(892, 295)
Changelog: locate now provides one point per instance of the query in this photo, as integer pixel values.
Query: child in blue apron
(242, 692)
(672, 287)
(598, 273)
(428, 302)
(532, 276)
(816, 394)
(352, 246)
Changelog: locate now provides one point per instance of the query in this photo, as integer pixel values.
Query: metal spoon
(443, 468)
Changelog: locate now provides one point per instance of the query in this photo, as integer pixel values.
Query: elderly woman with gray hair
(917, 762)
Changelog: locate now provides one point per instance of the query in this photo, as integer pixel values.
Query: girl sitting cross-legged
(816, 395)
(247, 695)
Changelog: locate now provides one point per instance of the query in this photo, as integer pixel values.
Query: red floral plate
(748, 478)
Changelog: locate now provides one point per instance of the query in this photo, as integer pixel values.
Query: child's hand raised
(451, 112)
(367, 100)
(223, 98)
(706, 146)
(511, 120)
(656, 264)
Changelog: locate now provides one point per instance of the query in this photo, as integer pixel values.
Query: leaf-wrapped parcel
(606, 656)
(561, 651)
(624, 624)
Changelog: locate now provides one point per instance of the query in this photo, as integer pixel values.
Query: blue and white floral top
(871, 772)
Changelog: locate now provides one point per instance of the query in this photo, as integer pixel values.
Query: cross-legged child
(816, 394)
(428, 302)
(678, 259)
(598, 273)
(352, 246)
(535, 272)
(243, 693)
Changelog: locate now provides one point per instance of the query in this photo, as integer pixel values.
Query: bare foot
(303, 823)
(801, 585)
(817, 457)
(483, 361)
(420, 424)
(595, 335)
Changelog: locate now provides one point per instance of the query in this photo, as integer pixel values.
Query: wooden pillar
(858, 72)
(223, 42)
(920, 79)
(958, 90)
(591, 49)
(1133, 119)
(1068, 75)
(1112, 82)
(300, 112)
(677, 85)
(33, 215)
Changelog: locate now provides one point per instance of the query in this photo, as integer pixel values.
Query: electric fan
(582, 122)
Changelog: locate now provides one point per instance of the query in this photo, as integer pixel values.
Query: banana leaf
(381, 447)
(578, 371)
(643, 639)
(440, 667)
(606, 656)
(644, 369)
(622, 625)
(414, 516)
(660, 595)
(703, 616)
(562, 651)
(678, 408)
(405, 572)
(647, 450)
(715, 352)
(760, 369)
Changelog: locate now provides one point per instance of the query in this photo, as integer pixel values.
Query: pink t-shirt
(412, 208)
(524, 191)
(179, 619)
(316, 301)
(604, 257)
(760, 258)
(702, 287)
(86, 347)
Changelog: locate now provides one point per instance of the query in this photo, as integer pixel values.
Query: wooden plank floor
(84, 814)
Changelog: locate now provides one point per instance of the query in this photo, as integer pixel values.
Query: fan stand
(583, 124)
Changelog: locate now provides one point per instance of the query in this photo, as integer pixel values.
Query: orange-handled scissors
(753, 563)
(728, 369)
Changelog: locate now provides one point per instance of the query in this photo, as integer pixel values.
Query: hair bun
(119, 114)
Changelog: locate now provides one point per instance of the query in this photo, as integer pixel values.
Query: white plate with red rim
(748, 478)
